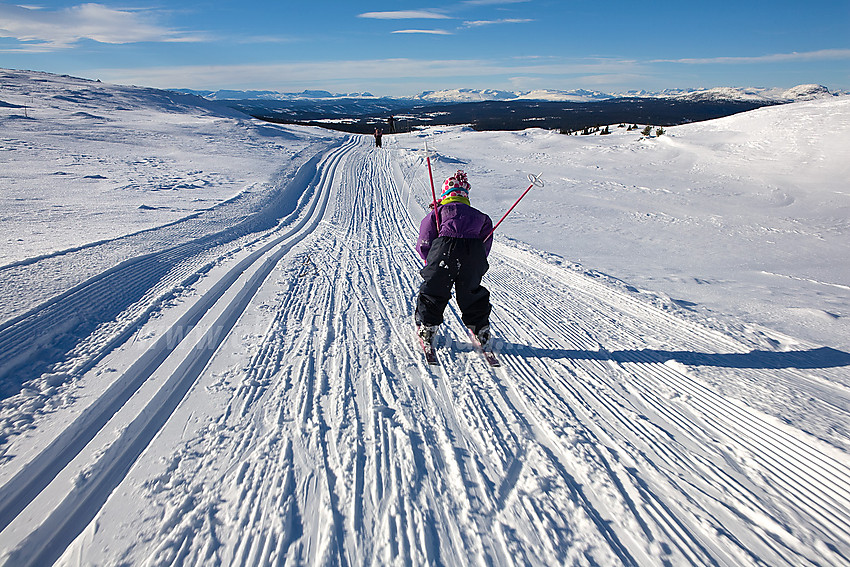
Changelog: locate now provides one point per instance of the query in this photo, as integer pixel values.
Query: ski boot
(483, 335)
(427, 333)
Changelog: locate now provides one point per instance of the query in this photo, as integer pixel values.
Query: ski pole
(433, 192)
(535, 181)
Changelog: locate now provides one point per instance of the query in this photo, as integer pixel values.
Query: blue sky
(402, 48)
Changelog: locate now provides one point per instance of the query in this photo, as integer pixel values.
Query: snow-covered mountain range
(774, 94)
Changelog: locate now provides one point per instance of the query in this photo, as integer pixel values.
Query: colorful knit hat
(456, 186)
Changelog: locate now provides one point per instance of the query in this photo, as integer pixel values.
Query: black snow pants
(458, 262)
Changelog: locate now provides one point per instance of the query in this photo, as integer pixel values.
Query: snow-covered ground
(206, 353)
(747, 215)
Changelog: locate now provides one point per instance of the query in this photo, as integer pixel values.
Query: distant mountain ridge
(800, 92)
(748, 94)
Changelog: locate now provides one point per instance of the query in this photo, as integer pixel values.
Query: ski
(429, 351)
(487, 354)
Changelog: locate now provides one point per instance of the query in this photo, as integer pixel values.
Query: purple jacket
(457, 220)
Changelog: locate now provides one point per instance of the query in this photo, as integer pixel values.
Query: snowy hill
(226, 94)
(206, 353)
(473, 95)
(146, 157)
(576, 95)
(704, 213)
(798, 93)
(466, 95)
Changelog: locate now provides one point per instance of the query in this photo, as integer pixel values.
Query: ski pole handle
(535, 181)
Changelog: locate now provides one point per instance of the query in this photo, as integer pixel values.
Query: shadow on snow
(823, 357)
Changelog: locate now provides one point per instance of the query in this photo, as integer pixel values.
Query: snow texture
(207, 353)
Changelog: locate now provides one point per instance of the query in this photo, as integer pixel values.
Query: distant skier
(378, 135)
(455, 255)
(391, 124)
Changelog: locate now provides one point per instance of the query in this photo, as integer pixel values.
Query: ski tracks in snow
(285, 416)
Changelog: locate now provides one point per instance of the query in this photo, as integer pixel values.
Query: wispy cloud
(265, 39)
(49, 30)
(356, 75)
(405, 15)
(296, 76)
(492, 2)
(823, 54)
(430, 32)
(480, 23)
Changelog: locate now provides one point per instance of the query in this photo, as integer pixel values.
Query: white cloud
(479, 23)
(773, 58)
(265, 39)
(431, 32)
(47, 30)
(404, 15)
(492, 2)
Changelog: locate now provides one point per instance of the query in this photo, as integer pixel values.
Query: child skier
(455, 255)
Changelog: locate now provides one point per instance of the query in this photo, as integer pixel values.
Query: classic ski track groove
(802, 472)
(57, 530)
(338, 445)
(130, 291)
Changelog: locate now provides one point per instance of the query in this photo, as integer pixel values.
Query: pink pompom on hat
(456, 186)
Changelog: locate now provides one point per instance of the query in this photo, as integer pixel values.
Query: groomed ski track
(282, 414)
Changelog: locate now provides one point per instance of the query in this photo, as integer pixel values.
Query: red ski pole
(433, 191)
(535, 181)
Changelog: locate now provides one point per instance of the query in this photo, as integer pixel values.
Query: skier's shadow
(823, 357)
